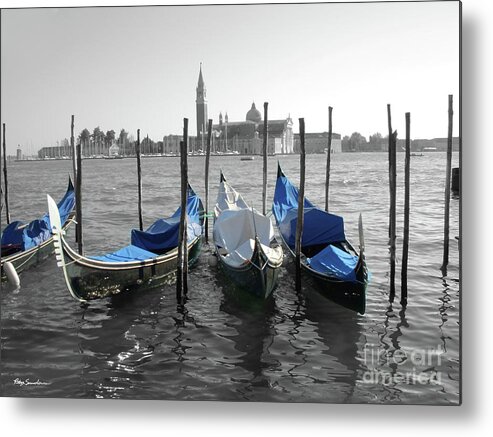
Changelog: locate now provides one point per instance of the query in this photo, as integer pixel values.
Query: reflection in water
(390, 359)
(339, 332)
(252, 320)
(442, 310)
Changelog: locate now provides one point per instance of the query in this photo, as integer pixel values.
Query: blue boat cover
(162, 235)
(39, 230)
(336, 262)
(126, 254)
(319, 227)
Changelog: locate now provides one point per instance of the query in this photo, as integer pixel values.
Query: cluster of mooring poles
(393, 191)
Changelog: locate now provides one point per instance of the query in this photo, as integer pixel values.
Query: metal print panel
(330, 273)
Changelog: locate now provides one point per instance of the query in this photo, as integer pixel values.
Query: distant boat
(326, 255)
(247, 158)
(245, 244)
(149, 261)
(24, 245)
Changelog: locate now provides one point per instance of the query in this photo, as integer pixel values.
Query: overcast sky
(137, 67)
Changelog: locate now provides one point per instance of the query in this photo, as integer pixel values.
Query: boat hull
(32, 257)
(351, 295)
(89, 279)
(257, 281)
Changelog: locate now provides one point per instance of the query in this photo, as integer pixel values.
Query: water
(223, 345)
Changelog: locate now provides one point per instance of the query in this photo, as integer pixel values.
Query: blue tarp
(319, 227)
(162, 235)
(39, 230)
(335, 262)
(286, 198)
(126, 254)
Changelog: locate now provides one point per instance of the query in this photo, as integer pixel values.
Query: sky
(137, 67)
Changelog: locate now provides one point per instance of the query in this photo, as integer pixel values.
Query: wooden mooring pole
(5, 179)
(447, 184)
(182, 265)
(74, 162)
(393, 196)
(405, 240)
(327, 170)
(72, 149)
(264, 154)
(78, 200)
(1, 184)
(139, 180)
(389, 120)
(301, 204)
(207, 161)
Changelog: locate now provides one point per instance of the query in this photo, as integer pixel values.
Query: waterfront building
(246, 137)
(243, 137)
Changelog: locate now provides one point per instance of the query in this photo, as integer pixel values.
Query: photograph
(255, 203)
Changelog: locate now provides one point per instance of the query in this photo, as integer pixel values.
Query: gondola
(326, 255)
(25, 245)
(149, 261)
(244, 242)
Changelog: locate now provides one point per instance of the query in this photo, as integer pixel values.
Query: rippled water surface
(223, 345)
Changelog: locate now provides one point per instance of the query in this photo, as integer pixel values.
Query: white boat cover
(235, 228)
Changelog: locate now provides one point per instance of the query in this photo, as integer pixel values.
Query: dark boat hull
(88, 279)
(259, 282)
(32, 257)
(351, 295)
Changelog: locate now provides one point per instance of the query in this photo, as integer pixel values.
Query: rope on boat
(27, 259)
(258, 267)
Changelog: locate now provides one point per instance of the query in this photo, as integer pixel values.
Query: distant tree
(123, 141)
(375, 141)
(84, 137)
(355, 143)
(358, 142)
(375, 138)
(108, 139)
(97, 139)
(345, 144)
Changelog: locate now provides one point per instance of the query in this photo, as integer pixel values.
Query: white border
(129, 418)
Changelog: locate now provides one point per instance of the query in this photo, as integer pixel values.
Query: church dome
(254, 114)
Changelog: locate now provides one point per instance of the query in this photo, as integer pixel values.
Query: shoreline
(422, 153)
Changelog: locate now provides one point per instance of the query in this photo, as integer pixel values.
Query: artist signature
(26, 382)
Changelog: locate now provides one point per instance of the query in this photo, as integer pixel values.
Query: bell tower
(201, 104)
